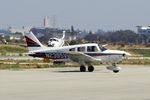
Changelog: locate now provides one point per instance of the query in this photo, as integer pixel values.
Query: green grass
(19, 66)
(9, 66)
(12, 49)
(30, 66)
(4, 49)
(142, 52)
(23, 61)
(136, 61)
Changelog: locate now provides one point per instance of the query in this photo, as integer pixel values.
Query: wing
(81, 57)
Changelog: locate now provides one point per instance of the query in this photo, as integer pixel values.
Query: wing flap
(80, 57)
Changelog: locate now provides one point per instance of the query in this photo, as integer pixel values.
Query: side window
(81, 49)
(72, 49)
(91, 49)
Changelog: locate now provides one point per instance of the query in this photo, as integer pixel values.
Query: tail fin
(64, 32)
(32, 42)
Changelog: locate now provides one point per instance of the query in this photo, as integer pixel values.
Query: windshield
(53, 39)
(102, 48)
(92, 49)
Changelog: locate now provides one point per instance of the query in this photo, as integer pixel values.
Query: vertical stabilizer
(32, 42)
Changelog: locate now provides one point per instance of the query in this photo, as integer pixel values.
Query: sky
(82, 14)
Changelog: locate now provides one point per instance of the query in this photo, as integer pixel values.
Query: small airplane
(2, 38)
(57, 42)
(84, 54)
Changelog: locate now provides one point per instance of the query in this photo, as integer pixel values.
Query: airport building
(143, 30)
(19, 30)
(18, 33)
(46, 30)
(55, 32)
(46, 22)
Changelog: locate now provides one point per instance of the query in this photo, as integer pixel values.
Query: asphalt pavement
(131, 83)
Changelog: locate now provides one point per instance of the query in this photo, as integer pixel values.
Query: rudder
(32, 42)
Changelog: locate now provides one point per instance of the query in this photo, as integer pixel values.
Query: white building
(19, 30)
(16, 36)
(143, 30)
(46, 22)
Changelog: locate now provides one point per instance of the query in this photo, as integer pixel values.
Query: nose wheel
(114, 68)
(116, 71)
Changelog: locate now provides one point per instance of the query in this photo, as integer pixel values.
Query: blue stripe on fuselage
(102, 54)
(50, 55)
(55, 55)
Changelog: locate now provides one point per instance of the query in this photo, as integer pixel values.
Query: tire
(90, 68)
(82, 68)
(115, 71)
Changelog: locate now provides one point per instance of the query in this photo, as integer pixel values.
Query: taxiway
(131, 83)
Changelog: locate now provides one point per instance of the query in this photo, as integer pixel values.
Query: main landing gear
(83, 68)
(90, 68)
(114, 68)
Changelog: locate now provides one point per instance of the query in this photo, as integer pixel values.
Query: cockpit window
(102, 48)
(53, 40)
(92, 49)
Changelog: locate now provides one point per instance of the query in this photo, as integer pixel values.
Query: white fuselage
(92, 50)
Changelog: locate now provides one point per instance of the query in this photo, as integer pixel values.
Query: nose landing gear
(114, 68)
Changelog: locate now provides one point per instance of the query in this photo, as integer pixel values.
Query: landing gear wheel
(114, 68)
(115, 71)
(91, 68)
(82, 68)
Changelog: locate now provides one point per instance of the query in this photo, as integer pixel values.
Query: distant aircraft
(2, 38)
(84, 54)
(57, 42)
